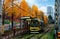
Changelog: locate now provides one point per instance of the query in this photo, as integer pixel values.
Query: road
(47, 34)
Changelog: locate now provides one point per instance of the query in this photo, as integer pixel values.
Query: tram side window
(23, 24)
(26, 24)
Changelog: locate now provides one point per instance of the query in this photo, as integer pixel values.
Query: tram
(36, 26)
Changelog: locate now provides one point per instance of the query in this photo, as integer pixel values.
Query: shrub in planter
(6, 31)
(6, 21)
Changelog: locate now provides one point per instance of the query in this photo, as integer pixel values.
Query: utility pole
(12, 14)
(56, 18)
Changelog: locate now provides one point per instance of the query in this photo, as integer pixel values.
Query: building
(57, 17)
(50, 11)
(0, 6)
(0, 16)
(0, 11)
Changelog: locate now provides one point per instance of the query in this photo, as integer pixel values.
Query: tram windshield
(34, 23)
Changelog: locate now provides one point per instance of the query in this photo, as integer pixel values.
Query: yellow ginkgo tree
(34, 11)
(24, 8)
(40, 15)
(45, 19)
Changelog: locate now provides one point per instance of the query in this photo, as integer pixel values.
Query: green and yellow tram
(36, 26)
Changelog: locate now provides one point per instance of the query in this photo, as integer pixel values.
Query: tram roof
(25, 17)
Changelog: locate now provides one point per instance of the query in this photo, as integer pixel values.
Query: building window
(56, 3)
(56, 23)
(55, 9)
(59, 1)
(55, 0)
(56, 18)
(55, 14)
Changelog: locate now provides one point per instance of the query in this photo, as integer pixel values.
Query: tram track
(38, 36)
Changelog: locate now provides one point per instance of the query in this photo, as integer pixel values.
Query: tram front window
(33, 24)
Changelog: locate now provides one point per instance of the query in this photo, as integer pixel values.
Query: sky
(42, 4)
